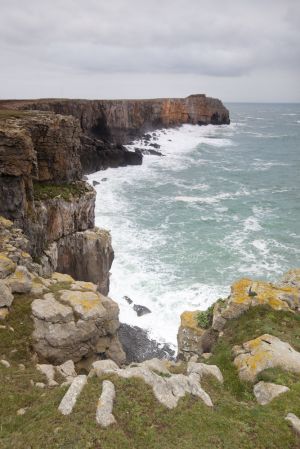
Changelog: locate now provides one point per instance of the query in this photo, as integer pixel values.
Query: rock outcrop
(72, 319)
(75, 321)
(168, 388)
(265, 352)
(245, 293)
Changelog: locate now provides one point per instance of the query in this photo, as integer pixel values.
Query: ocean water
(223, 203)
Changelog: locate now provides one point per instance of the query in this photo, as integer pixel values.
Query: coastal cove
(221, 203)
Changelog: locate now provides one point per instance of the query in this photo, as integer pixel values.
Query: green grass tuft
(65, 191)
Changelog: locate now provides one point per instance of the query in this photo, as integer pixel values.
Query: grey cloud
(219, 39)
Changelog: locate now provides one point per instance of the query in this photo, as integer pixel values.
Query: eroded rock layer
(42, 192)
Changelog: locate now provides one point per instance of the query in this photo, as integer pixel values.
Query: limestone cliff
(42, 192)
(109, 124)
(71, 319)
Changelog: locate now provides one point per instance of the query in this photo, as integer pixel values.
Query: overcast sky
(237, 50)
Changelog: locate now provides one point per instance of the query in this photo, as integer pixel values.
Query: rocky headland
(107, 125)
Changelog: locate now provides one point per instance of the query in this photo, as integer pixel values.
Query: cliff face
(41, 191)
(122, 120)
(109, 124)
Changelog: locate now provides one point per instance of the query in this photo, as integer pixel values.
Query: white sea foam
(146, 257)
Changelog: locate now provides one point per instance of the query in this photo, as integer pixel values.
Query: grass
(43, 191)
(235, 422)
(205, 317)
(10, 113)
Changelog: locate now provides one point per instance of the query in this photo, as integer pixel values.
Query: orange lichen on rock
(255, 293)
(189, 320)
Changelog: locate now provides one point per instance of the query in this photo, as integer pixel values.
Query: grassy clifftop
(236, 421)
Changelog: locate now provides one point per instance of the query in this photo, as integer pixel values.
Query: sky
(236, 50)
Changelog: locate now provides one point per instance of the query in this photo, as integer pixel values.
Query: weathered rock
(141, 310)
(205, 370)
(265, 392)
(59, 212)
(265, 352)
(6, 266)
(192, 339)
(69, 400)
(67, 370)
(87, 256)
(6, 298)
(127, 299)
(20, 281)
(5, 363)
(49, 372)
(60, 277)
(50, 310)
(104, 416)
(139, 347)
(168, 389)
(246, 293)
(74, 325)
(294, 421)
(101, 366)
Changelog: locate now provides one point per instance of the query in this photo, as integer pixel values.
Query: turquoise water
(223, 203)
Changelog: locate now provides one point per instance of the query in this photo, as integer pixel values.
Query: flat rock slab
(69, 400)
(104, 416)
(265, 352)
(265, 392)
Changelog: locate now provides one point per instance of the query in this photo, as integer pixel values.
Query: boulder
(101, 366)
(265, 392)
(67, 370)
(49, 372)
(7, 266)
(6, 297)
(265, 352)
(294, 421)
(74, 325)
(141, 310)
(20, 281)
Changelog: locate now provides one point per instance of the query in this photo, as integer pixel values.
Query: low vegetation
(46, 191)
(235, 422)
(11, 113)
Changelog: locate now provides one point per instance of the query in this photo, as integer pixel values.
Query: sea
(222, 203)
